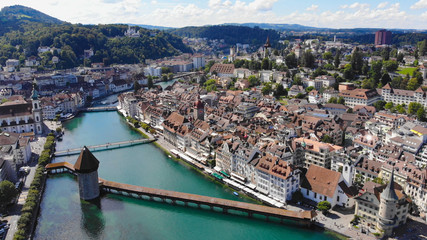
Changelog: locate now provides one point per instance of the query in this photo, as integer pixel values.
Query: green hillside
(231, 34)
(24, 30)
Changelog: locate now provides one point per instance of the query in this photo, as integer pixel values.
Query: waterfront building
(321, 184)
(86, 168)
(225, 153)
(277, 178)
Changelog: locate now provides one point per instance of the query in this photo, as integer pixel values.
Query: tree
(136, 86)
(280, 91)
(265, 64)
(348, 72)
(400, 109)
(358, 180)
(266, 89)
(337, 59)
(253, 81)
(421, 114)
(422, 48)
(378, 180)
(385, 79)
(291, 60)
(299, 95)
(412, 84)
(333, 100)
(357, 60)
(307, 59)
(326, 139)
(379, 105)
(340, 100)
(328, 56)
(390, 65)
(413, 107)
(7, 192)
(308, 89)
(324, 206)
(150, 83)
(388, 105)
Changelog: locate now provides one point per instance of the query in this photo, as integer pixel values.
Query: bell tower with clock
(199, 110)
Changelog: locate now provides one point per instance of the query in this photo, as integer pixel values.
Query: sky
(408, 14)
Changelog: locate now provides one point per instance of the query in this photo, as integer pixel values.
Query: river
(64, 216)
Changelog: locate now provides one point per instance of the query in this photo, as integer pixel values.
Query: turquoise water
(64, 216)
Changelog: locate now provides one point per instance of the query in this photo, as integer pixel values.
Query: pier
(185, 199)
(102, 147)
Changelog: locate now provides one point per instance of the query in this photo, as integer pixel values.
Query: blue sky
(174, 13)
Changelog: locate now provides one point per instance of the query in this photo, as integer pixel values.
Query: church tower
(387, 213)
(199, 110)
(37, 111)
(267, 47)
(86, 168)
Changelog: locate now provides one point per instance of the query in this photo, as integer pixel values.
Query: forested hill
(231, 34)
(15, 17)
(22, 38)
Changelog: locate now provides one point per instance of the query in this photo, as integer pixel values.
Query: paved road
(15, 212)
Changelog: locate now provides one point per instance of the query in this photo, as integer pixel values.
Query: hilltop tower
(199, 110)
(267, 47)
(36, 111)
(86, 168)
(387, 212)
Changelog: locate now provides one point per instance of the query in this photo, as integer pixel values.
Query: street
(15, 211)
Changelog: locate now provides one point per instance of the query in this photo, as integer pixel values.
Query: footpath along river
(64, 216)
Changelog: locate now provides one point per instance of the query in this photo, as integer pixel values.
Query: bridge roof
(59, 165)
(303, 215)
(87, 162)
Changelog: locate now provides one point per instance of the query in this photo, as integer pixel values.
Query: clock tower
(37, 112)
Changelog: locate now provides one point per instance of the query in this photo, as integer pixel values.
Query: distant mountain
(302, 28)
(230, 33)
(277, 27)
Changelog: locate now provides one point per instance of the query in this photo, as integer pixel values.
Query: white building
(276, 178)
(199, 61)
(321, 184)
(399, 96)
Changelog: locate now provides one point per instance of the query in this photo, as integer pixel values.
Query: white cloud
(358, 14)
(313, 7)
(420, 4)
(359, 5)
(382, 5)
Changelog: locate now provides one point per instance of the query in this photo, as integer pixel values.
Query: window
(338, 198)
(315, 195)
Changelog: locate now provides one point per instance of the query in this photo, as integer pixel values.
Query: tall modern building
(383, 37)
